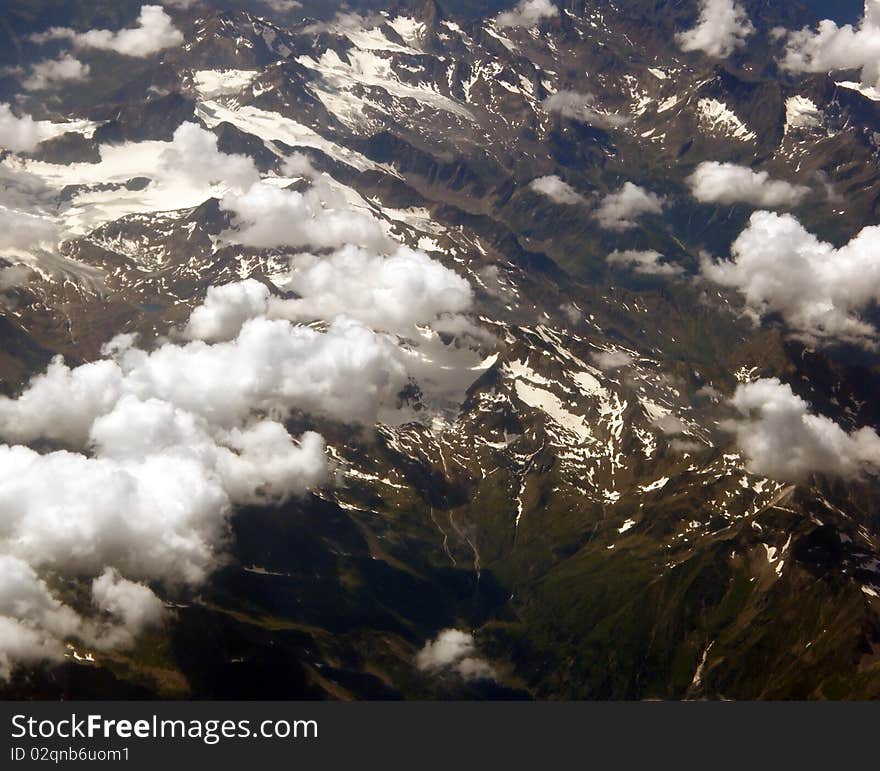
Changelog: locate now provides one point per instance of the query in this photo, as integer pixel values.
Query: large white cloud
(527, 13)
(582, 107)
(729, 183)
(50, 73)
(299, 368)
(782, 439)
(833, 47)
(154, 32)
(723, 27)
(160, 446)
(779, 267)
(621, 209)
(557, 190)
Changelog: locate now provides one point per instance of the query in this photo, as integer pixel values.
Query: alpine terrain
(439, 349)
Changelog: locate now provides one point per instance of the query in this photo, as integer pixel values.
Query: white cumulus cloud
(527, 13)
(729, 183)
(267, 217)
(819, 289)
(154, 32)
(611, 360)
(831, 47)
(557, 190)
(454, 650)
(621, 209)
(392, 293)
(723, 27)
(647, 262)
(51, 73)
(225, 310)
(193, 153)
(782, 439)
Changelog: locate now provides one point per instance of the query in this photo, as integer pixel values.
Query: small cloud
(723, 27)
(619, 210)
(492, 281)
(225, 309)
(283, 6)
(134, 604)
(646, 262)
(571, 312)
(51, 73)
(670, 424)
(194, 154)
(557, 190)
(709, 392)
(266, 217)
(611, 360)
(728, 183)
(527, 13)
(580, 107)
(154, 32)
(686, 446)
(453, 650)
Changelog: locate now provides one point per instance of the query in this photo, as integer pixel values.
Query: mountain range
(439, 350)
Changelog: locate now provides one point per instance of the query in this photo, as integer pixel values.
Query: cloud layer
(158, 448)
(120, 475)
